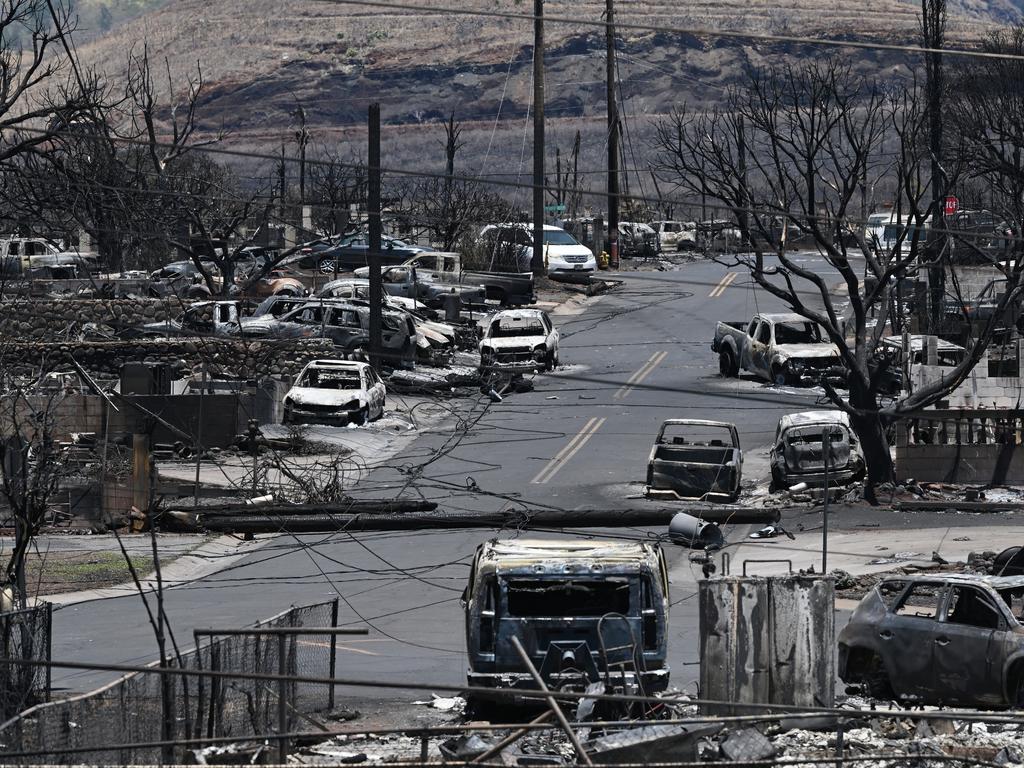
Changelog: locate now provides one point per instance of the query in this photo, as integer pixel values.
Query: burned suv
(585, 611)
(939, 639)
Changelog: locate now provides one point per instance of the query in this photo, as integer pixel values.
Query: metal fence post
(49, 649)
(282, 700)
(334, 654)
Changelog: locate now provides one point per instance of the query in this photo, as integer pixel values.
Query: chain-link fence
(25, 636)
(152, 713)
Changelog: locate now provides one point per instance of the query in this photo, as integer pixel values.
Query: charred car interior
(585, 611)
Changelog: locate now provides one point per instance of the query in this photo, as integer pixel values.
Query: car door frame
(966, 652)
(899, 643)
(759, 350)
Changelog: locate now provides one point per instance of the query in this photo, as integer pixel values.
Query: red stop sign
(951, 205)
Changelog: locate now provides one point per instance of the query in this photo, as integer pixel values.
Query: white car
(335, 392)
(519, 340)
(563, 253)
(676, 235)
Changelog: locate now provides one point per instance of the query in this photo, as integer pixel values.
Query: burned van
(585, 611)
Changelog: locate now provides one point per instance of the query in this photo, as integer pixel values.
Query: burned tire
(876, 680)
(362, 417)
(727, 366)
(778, 376)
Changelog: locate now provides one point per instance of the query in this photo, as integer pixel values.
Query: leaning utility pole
(537, 264)
(302, 137)
(613, 139)
(373, 256)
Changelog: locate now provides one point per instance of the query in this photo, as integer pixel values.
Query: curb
(204, 560)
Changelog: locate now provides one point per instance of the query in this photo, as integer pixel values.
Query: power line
(695, 31)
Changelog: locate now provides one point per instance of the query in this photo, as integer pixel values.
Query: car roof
(338, 365)
(809, 418)
(525, 551)
(996, 582)
(784, 317)
(514, 313)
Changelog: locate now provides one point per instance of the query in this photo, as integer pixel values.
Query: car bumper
(341, 417)
(653, 681)
(512, 367)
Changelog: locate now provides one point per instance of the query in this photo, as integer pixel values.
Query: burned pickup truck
(797, 454)
(695, 459)
(584, 611)
(782, 348)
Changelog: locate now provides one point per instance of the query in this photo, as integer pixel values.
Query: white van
(563, 253)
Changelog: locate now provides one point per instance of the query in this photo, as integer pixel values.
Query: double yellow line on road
(645, 371)
(724, 283)
(574, 446)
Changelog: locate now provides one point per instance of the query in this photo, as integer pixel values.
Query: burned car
(938, 639)
(518, 341)
(797, 454)
(695, 459)
(584, 611)
(335, 392)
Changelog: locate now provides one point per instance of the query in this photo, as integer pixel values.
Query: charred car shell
(938, 639)
(797, 453)
(583, 610)
(695, 459)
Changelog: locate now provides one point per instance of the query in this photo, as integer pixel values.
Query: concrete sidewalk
(190, 565)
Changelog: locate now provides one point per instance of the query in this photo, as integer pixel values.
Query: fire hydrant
(602, 260)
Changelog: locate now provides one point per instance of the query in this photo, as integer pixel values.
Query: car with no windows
(938, 639)
(335, 392)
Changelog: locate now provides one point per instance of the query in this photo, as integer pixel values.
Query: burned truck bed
(695, 459)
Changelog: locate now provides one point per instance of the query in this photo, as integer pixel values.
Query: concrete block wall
(979, 390)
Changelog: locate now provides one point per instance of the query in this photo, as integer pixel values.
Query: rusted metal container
(767, 640)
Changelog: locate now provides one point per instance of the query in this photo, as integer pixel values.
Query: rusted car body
(695, 459)
(797, 454)
(939, 639)
(585, 611)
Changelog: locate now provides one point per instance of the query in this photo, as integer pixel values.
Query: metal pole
(199, 436)
(334, 653)
(282, 700)
(613, 138)
(524, 656)
(826, 450)
(537, 262)
(512, 738)
(373, 204)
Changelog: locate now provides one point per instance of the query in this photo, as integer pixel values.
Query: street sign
(951, 205)
(559, 208)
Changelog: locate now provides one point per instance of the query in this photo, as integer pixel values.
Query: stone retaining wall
(52, 319)
(224, 358)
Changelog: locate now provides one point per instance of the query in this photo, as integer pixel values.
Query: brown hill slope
(261, 58)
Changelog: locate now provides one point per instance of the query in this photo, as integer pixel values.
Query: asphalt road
(579, 440)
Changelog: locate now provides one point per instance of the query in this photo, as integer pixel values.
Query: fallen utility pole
(254, 520)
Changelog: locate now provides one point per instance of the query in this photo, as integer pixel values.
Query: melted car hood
(317, 396)
(807, 350)
(513, 342)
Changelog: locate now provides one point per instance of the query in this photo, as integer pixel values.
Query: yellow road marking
(564, 455)
(340, 647)
(724, 283)
(645, 370)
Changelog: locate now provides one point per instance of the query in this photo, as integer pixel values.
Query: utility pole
(302, 137)
(741, 214)
(537, 264)
(613, 138)
(373, 206)
(933, 28)
(281, 177)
